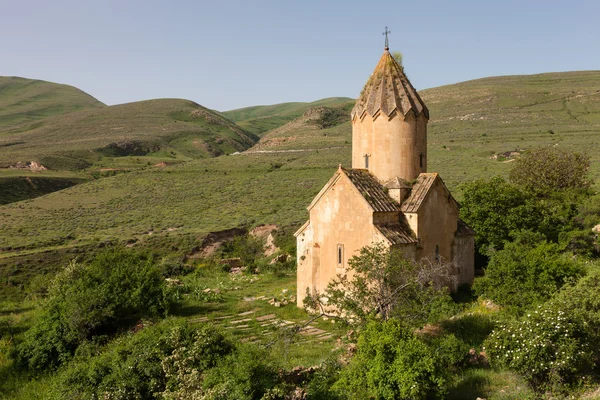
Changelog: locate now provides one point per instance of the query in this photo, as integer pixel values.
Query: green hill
(172, 128)
(259, 119)
(25, 101)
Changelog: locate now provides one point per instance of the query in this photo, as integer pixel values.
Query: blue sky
(229, 54)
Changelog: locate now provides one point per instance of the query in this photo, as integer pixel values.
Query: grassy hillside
(25, 101)
(259, 119)
(22, 185)
(198, 196)
(472, 121)
(167, 127)
(276, 179)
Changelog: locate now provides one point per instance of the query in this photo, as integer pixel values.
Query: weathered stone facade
(387, 196)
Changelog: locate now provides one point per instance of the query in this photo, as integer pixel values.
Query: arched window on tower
(421, 160)
(367, 161)
(437, 253)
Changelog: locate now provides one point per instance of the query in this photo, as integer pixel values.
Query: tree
(495, 209)
(381, 282)
(547, 169)
(111, 292)
(526, 272)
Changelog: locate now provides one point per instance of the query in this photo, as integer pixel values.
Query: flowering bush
(555, 345)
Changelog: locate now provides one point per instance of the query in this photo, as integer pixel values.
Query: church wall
(304, 255)
(463, 251)
(409, 251)
(359, 142)
(436, 226)
(396, 146)
(340, 218)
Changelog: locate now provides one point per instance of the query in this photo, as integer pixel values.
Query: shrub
(472, 329)
(548, 169)
(248, 248)
(157, 360)
(580, 242)
(320, 386)
(249, 373)
(555, 345)
(284, 239)
(392, 363)
(85, 300)
(523, 274)
(495, 209)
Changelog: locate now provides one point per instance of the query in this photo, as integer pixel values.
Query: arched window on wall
(437, 253)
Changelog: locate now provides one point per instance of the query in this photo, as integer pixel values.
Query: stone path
(249, 326)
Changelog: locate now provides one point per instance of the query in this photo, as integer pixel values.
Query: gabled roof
(462, 229)
(389, 90)
(398, 233)
(302, 228)
(371, 190)
(421, 189)
(326, 188)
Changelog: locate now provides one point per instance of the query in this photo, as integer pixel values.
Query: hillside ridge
(24, 100)
(178, 127)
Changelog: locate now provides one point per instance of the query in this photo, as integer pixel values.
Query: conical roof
(388, 90)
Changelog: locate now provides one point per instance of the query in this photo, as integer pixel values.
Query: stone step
(266, 317)
(240, 321)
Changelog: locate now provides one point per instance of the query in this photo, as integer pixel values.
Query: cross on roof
(387, 45)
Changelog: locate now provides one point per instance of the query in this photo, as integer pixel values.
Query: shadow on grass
(15, 311)
(9, 331)
(472, 385)
(472, 329)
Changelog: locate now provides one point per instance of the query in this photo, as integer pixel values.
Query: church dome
(387, 91)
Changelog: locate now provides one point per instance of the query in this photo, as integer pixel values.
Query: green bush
(525, 274)
(248, 248)
(550, 169)
(249, 373)
(495, 209)
(112, 292)
(580, 242)
(320, 386)
(472, 329)
(392, 363)
(285, 239)
(158, 360)
(554, 346)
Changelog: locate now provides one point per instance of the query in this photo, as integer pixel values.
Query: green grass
(17, 188)
(489, 384)
(25, 101)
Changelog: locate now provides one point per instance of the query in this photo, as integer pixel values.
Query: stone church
(387, 196)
